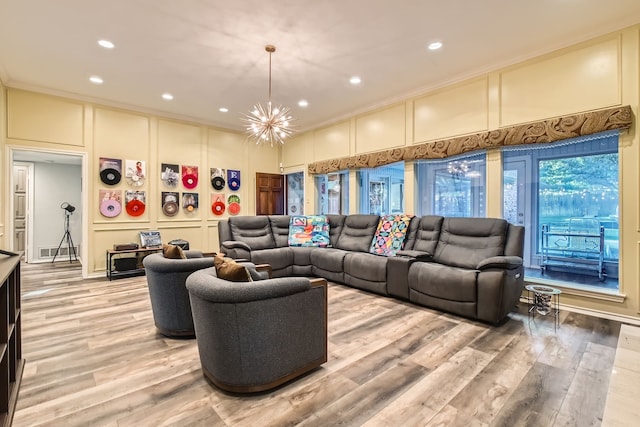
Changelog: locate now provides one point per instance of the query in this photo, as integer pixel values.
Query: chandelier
(266, 125)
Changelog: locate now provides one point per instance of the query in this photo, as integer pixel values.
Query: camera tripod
(66, 236)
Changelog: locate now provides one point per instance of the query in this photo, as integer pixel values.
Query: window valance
(551, 130)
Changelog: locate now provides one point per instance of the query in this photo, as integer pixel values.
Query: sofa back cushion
(255, 231)
(357, 232)
(424, 233)
(464, 242)
(309, 230)
(336, 222)
(280, 229)
(390, 234)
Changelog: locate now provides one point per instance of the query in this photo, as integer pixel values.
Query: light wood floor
(93, 357)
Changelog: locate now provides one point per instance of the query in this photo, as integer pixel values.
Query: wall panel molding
(544, 131)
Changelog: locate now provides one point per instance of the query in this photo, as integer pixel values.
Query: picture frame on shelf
(150, 239)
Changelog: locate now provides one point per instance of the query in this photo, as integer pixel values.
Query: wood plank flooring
(94, 358)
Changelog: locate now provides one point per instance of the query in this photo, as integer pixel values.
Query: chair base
(257, 388)
(172, 333)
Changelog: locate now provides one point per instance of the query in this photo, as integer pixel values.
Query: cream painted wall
(454, 111)
(601, 73)
(4, 170)
(43, 122)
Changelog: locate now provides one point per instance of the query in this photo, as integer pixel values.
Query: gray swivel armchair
(169, 296)
(255, 336)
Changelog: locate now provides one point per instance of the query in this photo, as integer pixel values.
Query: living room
(588, 72)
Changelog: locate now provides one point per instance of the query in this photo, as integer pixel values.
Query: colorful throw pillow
(228, 269)
(173, 252)
(390, 234)
(310, 230)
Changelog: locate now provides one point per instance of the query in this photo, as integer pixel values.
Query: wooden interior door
(269, 194)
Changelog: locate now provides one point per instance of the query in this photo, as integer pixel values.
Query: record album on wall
(110, 170)
(169, 174)
(170, 203)
(190, 201)
(217, 178)
(135, 202)
(233, 179)
(190, 177)
(135, 172)
(217, 204)
(110, 202)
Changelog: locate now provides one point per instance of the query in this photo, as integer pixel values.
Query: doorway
(269, 194)
(43, 185)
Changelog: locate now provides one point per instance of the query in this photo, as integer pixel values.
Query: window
(295, 193)
(333, 193)
(382, 189)
(451, 187)
(566, 196)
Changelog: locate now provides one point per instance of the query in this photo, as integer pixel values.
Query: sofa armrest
(234, 244)
(235, 249)
(503, 262)
(416, 255)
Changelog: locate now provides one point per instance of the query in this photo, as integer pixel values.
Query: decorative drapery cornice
(532, 133)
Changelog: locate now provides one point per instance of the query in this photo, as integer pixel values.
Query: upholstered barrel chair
(166, 279)
(257, 335)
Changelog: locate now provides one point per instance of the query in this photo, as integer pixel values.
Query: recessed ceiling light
(167, 96)
(435, 45)
(223, 110)
(106, 44)
(355, 80)
(96, 80)
(303, 103)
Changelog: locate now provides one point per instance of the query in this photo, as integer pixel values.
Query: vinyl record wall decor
(217, 204)
(233, 179)
(170, 205)
(135, 202)
(110, 202)
(110, 170)
(135, 172)
(190, 202)
(217, 178)
(169, 174)
(190, 177)
(233, 204)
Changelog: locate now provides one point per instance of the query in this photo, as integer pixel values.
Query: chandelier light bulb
(268, 125)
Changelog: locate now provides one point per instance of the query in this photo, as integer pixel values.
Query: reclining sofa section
(467, 266)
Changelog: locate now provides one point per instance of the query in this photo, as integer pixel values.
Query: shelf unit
(580, 250)
(134, 255)
(11, 362)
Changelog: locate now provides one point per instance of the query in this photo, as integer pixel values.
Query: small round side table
(546, 301)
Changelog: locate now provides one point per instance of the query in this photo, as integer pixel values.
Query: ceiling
(210, 53)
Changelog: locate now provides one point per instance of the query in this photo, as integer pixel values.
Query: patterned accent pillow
(390, 235)
(309, 230)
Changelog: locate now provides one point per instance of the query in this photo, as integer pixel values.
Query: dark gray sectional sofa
(468, 266)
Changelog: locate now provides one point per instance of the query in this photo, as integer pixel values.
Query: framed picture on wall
(150, 239)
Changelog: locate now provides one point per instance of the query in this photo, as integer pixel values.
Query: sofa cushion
(444, 282)
(424, 233)
(280, 229)
(228, 269)
(336, 222)
(328, 259)
(464, 242)
(173, 252)
(390, 234)
(310, 230)
(277, 258)
(369, 267)
(357, 232)
(255, 231)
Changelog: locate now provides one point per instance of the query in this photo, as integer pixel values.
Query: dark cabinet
(11, 362)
